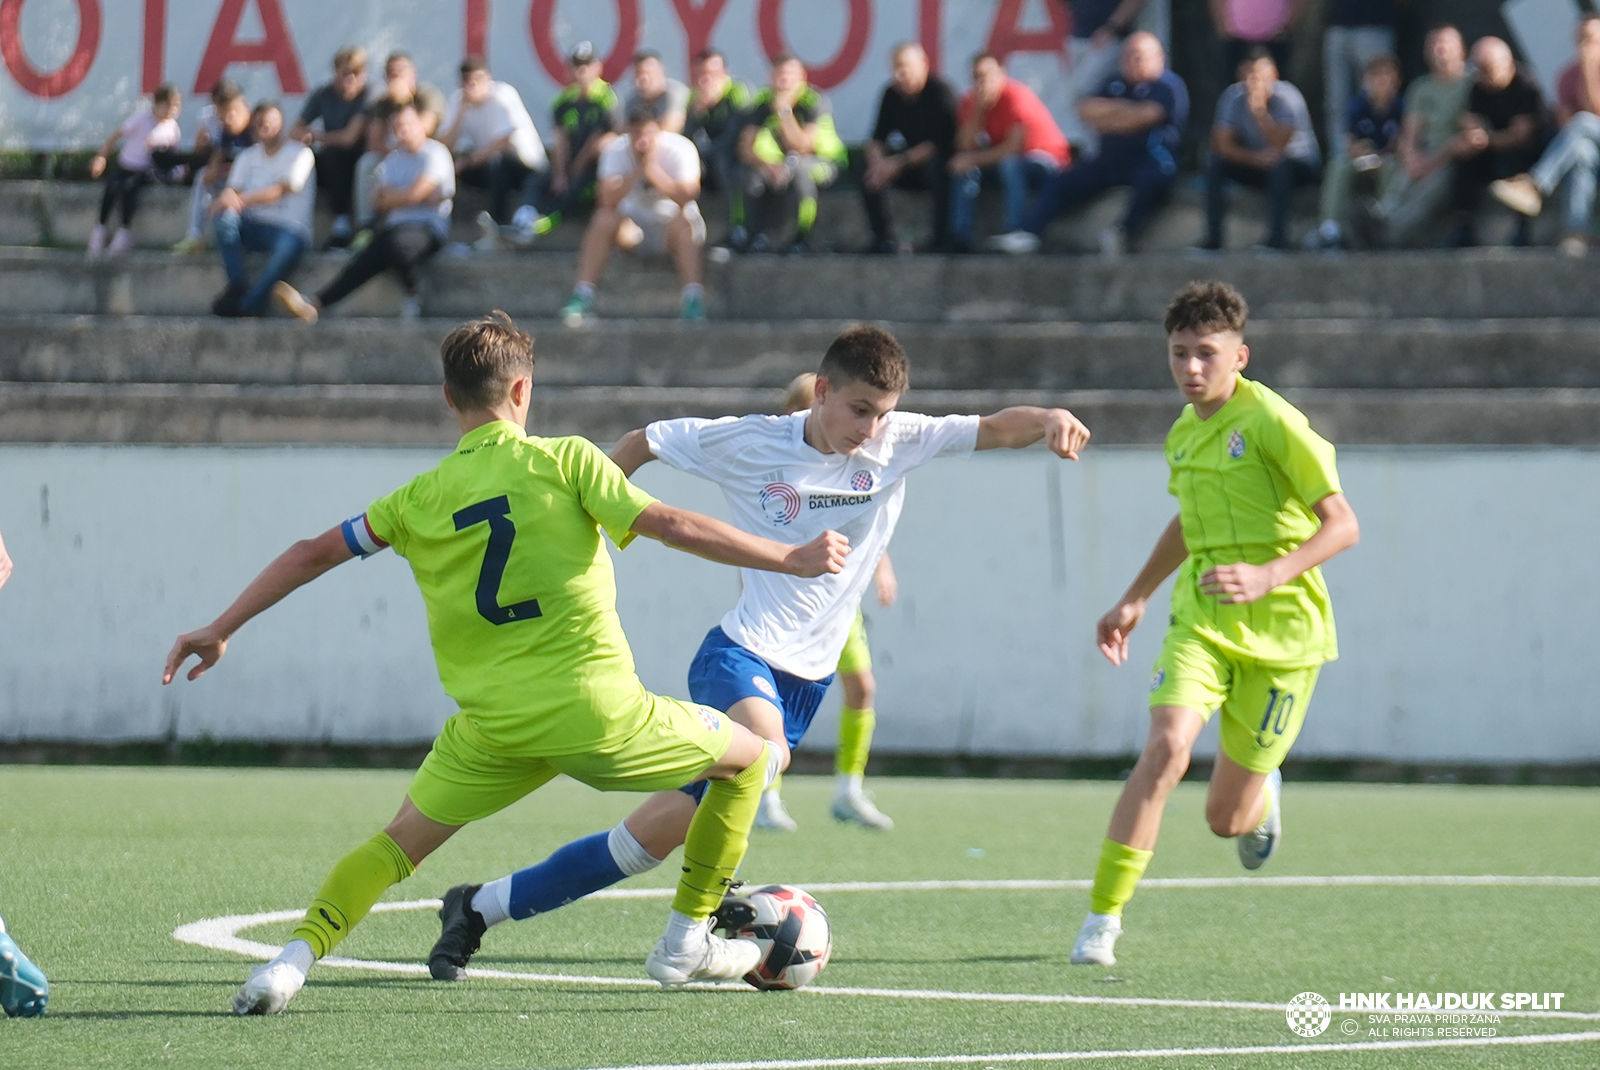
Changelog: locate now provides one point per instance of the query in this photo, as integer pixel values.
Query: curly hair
(867, 354)
(1207, 306)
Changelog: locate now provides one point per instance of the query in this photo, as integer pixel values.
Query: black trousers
(336, 177)
(501, 176)
(402, 248)
(931, 177)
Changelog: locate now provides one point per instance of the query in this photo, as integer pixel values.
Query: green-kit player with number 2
(1259, 509)
(504, 540)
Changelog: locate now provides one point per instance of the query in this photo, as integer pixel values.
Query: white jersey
(782, 488)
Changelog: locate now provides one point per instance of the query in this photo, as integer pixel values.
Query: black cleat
(461, 930)
(733, 914)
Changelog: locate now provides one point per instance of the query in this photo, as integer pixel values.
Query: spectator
(1574, 154)
(266, 207)
(1500, 135)
(587, 116)
(649, 180)
(416, 183)
(1248, 25)
(668, 98)
(1261, 137)
(1094, 49)
(207, 134)
(789, 147)
(1005, 136)
(1430, 136)
(912, 142)
(1367, 144)
(1356, 33)
(1139, 117)
(718, 108)
(496, 145)
(400, 87)
(333, 122)
(146, 144)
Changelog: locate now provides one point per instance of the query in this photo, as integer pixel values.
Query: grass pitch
(99, 866)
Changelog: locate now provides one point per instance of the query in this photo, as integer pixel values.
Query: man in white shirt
(839, 465)
(648, 182)
(265, 207)
(495, 143)
(416, 188)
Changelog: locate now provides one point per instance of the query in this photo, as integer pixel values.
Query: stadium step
(1486, 283)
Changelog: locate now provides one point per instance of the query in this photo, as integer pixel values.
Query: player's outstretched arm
(1245, 583)
(1114, 628)
(1023, 425)
(632, 452)
(295, 567)
(712, 539)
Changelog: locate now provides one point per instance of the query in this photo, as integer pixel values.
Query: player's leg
(856, 723)
(1260, 721)
(23, 988)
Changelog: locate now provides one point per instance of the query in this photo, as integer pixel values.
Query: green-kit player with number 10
(504, 540)
(1259, 509)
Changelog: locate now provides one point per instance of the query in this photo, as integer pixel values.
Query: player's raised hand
(1113, 629)
(1065, 434)
(1238, 583)
(825, 553)
(206, 644)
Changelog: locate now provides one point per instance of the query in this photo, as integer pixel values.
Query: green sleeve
(1305, 458)
(386, 518)
(604, 491)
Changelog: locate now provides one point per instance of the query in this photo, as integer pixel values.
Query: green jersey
(503, 538)
(586, 115)
(1245, 481)
(810, 107)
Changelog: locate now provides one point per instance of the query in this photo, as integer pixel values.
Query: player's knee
(1166, 755)
(1226, 820)
(860, 690)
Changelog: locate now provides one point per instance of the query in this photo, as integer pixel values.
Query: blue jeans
(1150, 178)
(1018, 175)
(1575, 156)
(1279, 181)
(235, 234)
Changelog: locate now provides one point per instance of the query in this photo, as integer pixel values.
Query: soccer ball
(793, 933)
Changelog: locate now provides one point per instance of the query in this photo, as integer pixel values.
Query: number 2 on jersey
(496, 512)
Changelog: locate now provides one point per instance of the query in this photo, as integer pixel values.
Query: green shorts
(856, 657)
(1262, 706)
(465, 777)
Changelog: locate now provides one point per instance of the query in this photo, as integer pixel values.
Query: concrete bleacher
(1489, 346)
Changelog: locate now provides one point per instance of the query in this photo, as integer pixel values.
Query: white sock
(2, 925)
(684, 935)
(628, 853)
(1114, 919)
(774, 765)
(846, 784)
(526, 216)
(493, 901)
(584, 290)
(694, 289)
(298, 955)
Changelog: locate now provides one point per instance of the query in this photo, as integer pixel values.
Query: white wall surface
(1467, 616)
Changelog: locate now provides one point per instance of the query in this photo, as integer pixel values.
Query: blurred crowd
(386, 156)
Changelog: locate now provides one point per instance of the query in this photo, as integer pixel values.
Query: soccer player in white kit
(840, 465)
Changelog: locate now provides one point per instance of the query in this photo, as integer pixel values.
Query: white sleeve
(683, 162)
(677, 442)
(919, 439)
(305, 161)
(616, 159)
(241, 171)
(442, 166)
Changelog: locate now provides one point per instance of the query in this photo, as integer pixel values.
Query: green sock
(350, 890)
(718, 837)
(855, 741)
(808, 215)
(1116, 877)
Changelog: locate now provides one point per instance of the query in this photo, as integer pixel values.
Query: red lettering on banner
(65, 78)
(769, 19)
(541, 17)
(275, 47)
(698, 22)
(930, 29)
(477, 36)
(1005, 37)
(155, 44)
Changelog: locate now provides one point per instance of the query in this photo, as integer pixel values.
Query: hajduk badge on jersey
(1236, 444)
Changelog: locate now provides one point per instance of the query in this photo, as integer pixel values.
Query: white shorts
(653, 217)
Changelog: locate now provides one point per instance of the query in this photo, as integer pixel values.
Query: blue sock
(575, 870)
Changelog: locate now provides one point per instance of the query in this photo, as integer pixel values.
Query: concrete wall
(1466, 616)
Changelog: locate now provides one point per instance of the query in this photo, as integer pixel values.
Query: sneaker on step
(1097, 941)
(121, 243)
(23, 988)
(297, 305)
(692, 309)
(858, 806)
(461, 932)
(1016, 242)
(268, 989)
(489, 236)
(1575, 246)
(772, 815)
(1519, 194)
(188, 246)
(1113, 243)
(411, 307)
(576, 311)
(97, 242)
(1258, 846)
(717, 959)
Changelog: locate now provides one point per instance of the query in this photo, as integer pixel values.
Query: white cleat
(1097, 941)
(1258, 846)
(858, 806)
(268, 989)
(717, 959)
(772, 815)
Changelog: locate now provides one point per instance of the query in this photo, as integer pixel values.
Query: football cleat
(715, 960)
(858, 806)
(461, 931)
(772, 815)
(1097, 941)
(1258, 846)
(735, 912)
(23, 988)
(268, 989)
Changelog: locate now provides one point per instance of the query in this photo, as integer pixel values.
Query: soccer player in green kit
(504, 541)
(1259, 509)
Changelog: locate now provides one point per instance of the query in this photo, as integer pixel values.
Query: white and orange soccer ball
(793, 933)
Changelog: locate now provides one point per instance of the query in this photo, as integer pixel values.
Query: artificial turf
(99, 866)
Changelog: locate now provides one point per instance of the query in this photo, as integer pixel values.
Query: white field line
(221, 934)
(1115, 1053)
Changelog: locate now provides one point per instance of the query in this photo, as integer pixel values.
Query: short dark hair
(981, 56)
(642, 111)
(166, 93)
(472, 65)
(647, 53)
(786, 56)
(262, 107)
(482, 358)
(1207, 306)
(225, 92)
(1256, 53)
(707, 54)
(394, 56)
(866, 354)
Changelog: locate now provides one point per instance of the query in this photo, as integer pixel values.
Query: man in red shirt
(1006, 137)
